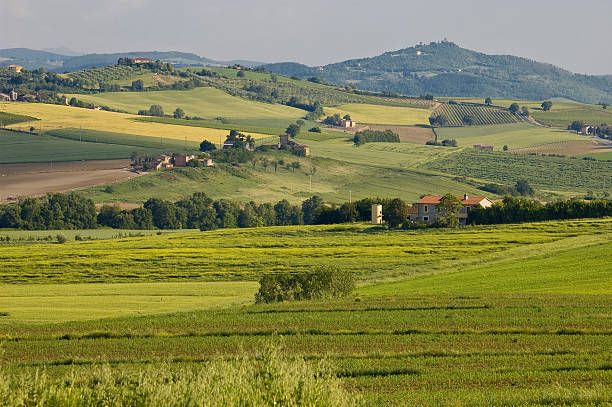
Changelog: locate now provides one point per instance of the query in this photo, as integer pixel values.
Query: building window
(425, 218)
(426, 210)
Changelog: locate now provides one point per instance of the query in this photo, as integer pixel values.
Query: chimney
(465, 196)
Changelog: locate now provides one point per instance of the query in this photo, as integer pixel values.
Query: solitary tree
(179, 113)
(546, 105)
(207, 146)
(525, 111)
(488, 101)
(396, 213)
(449, 207)
(514, 108)
(523, 187)
(293, 130)
(156, 110)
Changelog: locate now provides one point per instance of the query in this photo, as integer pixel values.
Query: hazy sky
(572, 34)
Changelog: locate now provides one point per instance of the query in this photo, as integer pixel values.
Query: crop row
(557, 173)
(101, 75)
(480, 115)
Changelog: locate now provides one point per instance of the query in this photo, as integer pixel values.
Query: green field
(247, 253)
(606, 156)
(18, 147)
(484, 316)
(519, 135)
(103, 137)
(10, 118)
(375, 114)
(203, 102)
(550, 173)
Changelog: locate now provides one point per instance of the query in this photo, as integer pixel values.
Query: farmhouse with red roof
(428, 207)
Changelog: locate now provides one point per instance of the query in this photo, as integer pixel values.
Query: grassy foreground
(510, 315)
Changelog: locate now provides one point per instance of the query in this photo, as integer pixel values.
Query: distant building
(286, 143)
(377, 216)
(4, 97)
(142, 61)
(162, 161)
(181, 160)
(587, 129)
(347, 123)
(13, 95)
(428, 207)
(207, 162)
(15, 68)
(483, 147)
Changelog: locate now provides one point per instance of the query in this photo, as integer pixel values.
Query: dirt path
(26, 180)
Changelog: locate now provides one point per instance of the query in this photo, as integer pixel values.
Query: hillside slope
(34, 59)
(445, 69)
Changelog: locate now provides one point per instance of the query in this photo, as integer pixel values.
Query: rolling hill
(34, 59)
(446, 69)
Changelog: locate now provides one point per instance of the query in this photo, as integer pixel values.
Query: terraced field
(480, 115)
(513, 319)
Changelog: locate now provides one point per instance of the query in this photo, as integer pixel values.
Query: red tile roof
(435, 199)
(430, 199)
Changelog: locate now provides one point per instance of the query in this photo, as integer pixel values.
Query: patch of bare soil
(27, 180)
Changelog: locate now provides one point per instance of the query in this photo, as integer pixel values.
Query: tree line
(369, 136)
(73, 211)
(520, 209)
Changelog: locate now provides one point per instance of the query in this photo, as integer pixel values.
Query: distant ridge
(34, 59)
(445, 69)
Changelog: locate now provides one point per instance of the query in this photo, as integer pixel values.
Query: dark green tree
(207, 146)
(514, 108)
(488, 101)
(396, 213)
(293, 130)
(178, 113)
(546, 105)
(156, 110)
(449, 207)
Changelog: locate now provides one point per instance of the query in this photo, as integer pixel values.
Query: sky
(571, 34)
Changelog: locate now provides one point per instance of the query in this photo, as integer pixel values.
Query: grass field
(18, 147)
(387, 171)
(247, 253)
(550, 173)
(203, 102)
(77, 302)
(483, 316)
(607, 156)
(515, 136)
(375, 114)
(10, 118)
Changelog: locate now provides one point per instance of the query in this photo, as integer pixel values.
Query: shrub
(61, 239)
(322, 282)
(315, 130)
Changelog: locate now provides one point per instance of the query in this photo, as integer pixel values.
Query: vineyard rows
(480, 115)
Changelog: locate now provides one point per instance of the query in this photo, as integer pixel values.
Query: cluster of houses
(176, 160)
(426, 209)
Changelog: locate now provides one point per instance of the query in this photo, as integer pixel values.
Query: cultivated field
(408, 134)
(480, 115)
(62, 117)
(573, 148)
(376, 114)
(203, 102)
(230, 254)
(549, 173)
(19, 147)
(25, 180)
(483, 316)
(515, 136)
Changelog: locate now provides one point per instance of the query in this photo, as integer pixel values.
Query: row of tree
(518, 209)
(72, 211)
(369, 136)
